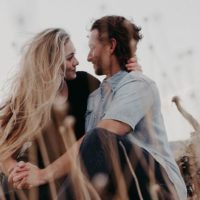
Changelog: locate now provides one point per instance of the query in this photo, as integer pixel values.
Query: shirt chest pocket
(89, 115)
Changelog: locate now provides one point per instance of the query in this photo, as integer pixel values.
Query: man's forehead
(94, 34)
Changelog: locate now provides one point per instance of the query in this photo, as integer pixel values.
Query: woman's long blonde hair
(37, 83)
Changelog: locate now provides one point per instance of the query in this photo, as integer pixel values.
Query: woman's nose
(76, 62)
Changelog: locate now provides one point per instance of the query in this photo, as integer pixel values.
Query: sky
(168, 53)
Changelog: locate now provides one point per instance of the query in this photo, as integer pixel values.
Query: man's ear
(113, 44)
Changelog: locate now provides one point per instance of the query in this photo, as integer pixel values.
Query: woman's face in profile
(70, 61)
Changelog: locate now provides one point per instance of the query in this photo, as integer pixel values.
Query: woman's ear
(113, 44)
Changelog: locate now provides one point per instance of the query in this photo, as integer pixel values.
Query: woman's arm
(35, 176)
(8, 165)
(62, 165)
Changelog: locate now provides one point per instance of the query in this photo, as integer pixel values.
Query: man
(125, 111)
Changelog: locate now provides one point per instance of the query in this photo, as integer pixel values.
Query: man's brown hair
(123, 31)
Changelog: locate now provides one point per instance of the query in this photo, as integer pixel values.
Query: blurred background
(169, 52)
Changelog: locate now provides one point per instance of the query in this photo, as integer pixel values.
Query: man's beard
(98, 71)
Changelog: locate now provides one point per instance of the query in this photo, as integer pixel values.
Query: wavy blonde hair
(37, 83)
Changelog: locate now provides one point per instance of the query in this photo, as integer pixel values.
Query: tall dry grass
(83, 188)
(189, 161)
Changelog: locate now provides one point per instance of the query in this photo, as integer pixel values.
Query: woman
(48, 61)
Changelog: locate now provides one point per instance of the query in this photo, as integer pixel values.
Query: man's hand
(133, 65)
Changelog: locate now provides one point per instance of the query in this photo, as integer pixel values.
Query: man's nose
(89, 57)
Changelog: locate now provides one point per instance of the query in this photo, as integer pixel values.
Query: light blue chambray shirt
(133, 98)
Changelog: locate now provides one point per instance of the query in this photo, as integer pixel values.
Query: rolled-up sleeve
(131, 102)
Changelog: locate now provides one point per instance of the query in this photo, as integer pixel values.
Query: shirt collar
(115, 79)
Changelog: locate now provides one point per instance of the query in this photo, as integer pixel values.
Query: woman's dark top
(79, 90)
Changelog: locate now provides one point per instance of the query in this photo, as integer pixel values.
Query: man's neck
(112, 73)
(113, 69)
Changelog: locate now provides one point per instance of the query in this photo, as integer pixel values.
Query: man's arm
(131, 102)
(120, 128)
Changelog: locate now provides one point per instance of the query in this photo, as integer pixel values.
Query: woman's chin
(70, 76)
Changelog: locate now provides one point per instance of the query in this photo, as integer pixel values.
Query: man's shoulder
(94, 93)
(135, 77)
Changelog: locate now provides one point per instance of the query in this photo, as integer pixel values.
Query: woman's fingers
(132, 65)
(23, 184)
(19, 168)
(132, 60)
(19, 176)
